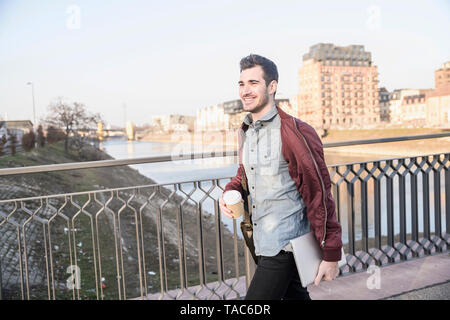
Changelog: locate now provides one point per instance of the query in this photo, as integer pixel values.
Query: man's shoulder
(302, 126)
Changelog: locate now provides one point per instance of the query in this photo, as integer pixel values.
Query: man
(282, 168)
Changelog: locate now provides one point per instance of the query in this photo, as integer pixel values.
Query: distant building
(173, 123)
(395, 104)
(294, 105)
(17, 127)
(23, 125)
(212, 118)
(233, 106)
(286, 106)
(442, 76)
(383, 103)
(338, 88)
(438, 102)
(3, 130)
(408, 107)
(438, 108)
(413, 110)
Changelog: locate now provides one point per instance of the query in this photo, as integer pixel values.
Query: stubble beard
(260, 106)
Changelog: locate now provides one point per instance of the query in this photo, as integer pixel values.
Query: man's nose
(246, 90)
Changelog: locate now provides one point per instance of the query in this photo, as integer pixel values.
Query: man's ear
(273, 87)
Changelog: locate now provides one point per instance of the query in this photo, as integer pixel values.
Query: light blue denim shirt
(278, 210)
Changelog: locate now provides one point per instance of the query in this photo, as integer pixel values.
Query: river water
(198, 169)
(225, 167)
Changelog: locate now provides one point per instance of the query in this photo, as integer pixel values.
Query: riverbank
(228, 141)
(395, 149)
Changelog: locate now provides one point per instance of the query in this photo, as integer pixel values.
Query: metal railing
(192, 156)
(121, 243)
(170, 241)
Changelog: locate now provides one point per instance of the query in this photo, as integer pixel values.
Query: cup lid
(232, 197)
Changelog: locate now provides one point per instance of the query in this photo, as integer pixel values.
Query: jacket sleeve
(331, 251)
(235, 183)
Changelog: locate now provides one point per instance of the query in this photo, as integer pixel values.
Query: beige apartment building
(413, 110)
(395, 104)
(338, 88)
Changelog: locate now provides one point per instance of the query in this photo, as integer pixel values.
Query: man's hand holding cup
(231, 204)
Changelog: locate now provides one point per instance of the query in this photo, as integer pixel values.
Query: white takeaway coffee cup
(233, 201)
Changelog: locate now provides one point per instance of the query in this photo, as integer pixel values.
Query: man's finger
(227, 212)
(228, 215)
(318, 277)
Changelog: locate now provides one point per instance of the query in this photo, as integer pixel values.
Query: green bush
(28, 140)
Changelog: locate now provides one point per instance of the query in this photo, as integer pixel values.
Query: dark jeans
(276, 278)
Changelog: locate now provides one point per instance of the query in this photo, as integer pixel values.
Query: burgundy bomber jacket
(303, 151)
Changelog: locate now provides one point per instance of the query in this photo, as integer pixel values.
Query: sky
(130, 60)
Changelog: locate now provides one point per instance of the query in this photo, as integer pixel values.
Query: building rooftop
(445, 65)
(13, 124)
(329, 51)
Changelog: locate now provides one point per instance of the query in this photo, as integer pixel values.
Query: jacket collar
(248, 120)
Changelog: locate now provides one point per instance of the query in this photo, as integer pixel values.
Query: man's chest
(261, 154)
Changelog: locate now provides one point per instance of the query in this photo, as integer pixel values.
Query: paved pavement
(426, 278)
(422, 278)
(436, 292)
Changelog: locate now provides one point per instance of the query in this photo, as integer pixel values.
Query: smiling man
(283, 179)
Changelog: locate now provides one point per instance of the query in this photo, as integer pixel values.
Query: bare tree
(55, 134)
(40, 136)
(71, 118)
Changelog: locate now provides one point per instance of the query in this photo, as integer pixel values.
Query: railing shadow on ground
(170, 241)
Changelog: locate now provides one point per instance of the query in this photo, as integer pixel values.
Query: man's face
(253, 90)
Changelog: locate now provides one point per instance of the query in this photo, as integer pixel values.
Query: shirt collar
(248, 120)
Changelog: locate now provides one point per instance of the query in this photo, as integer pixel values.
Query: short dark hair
(268, 66)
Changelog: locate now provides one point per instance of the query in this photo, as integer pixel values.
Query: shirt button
(253, 187)
(254, 224)
(251, 168)
(253, 206)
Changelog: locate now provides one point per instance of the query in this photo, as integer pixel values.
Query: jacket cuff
(332, 255)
